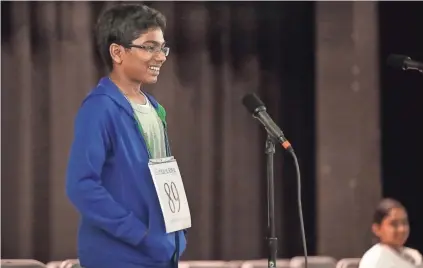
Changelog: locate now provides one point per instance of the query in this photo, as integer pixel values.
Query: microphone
(255, 106)
(404, 62)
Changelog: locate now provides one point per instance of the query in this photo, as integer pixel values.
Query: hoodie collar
(107, 87)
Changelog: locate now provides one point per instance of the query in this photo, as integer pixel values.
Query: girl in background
(390, 225)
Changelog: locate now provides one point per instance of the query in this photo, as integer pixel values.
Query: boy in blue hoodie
(118, 130)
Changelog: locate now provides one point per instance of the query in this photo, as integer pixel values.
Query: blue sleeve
(83, 183)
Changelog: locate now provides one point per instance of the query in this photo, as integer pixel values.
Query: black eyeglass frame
(165, 50)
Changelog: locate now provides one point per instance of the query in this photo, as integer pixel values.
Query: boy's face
(142, 64)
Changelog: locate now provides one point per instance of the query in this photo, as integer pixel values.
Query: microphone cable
(300, 207)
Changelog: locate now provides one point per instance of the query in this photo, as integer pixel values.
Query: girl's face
(394, 228)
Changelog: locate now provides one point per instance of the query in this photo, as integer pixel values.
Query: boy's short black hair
(123, 23)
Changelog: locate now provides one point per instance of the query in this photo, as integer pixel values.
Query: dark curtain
(401, 30)
(219, 52)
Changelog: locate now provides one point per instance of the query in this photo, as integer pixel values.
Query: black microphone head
(252, 102)
(397, 61)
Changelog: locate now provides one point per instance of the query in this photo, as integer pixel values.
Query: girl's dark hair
(383, 209)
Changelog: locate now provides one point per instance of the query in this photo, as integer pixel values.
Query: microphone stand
(271, 236)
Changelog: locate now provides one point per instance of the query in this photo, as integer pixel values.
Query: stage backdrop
(219, 52)
(315, 65)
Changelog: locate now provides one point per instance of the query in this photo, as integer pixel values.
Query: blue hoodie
(109, 182)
